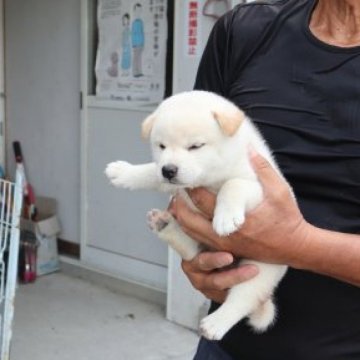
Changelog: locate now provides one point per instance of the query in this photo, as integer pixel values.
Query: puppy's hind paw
(158, 220)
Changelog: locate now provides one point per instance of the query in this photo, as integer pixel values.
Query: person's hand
(206, 275)
(272, 232)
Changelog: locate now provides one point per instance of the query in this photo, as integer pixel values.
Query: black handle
(17, 151)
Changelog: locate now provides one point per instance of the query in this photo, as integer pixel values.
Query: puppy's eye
(162, 146)
(195, 146)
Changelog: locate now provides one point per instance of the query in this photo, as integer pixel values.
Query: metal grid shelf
(10, 209)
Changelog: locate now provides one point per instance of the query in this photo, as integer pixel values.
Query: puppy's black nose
(169, 171)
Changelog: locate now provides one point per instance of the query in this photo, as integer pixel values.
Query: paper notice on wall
(131, 55)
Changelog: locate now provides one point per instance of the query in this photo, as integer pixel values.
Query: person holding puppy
(294, 67)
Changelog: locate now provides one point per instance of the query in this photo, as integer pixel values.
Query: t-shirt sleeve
(234, 39)
(211, 74)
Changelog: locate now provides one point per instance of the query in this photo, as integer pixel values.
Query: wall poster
(131, 55)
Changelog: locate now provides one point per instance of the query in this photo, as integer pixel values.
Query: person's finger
(268, 176)
(274, 184)
(204, 200)
(171, 207)
(214, 295)
(212, 241)
(209, 261)
(214, 284)
(193, 223)
(223, 280)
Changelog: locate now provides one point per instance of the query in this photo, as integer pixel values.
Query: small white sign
(193, 9)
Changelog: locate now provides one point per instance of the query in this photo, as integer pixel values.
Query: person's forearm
(329, 253)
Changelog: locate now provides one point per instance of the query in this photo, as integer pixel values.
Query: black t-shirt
(304, 95)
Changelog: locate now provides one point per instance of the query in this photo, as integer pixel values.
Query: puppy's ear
(229, 121)
(147, 126)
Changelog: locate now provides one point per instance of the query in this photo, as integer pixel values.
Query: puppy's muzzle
(169, 171)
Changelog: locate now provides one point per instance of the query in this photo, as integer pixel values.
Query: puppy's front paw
(158, 220)
(118, 173)
(227, 220)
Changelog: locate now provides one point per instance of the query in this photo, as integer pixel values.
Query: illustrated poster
(131, 55)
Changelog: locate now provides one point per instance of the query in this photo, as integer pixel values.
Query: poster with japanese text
(131, 55)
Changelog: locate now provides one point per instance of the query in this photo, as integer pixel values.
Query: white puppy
(201, 139)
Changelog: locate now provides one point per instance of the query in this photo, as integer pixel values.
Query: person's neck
(337, 22)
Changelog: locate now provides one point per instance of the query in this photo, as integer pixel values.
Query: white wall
(42, 88)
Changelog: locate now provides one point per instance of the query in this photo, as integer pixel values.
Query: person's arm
(275, 231)
(330, 253)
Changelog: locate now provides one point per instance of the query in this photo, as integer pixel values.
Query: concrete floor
(65, 318)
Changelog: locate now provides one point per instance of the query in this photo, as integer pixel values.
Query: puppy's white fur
(206, 139)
